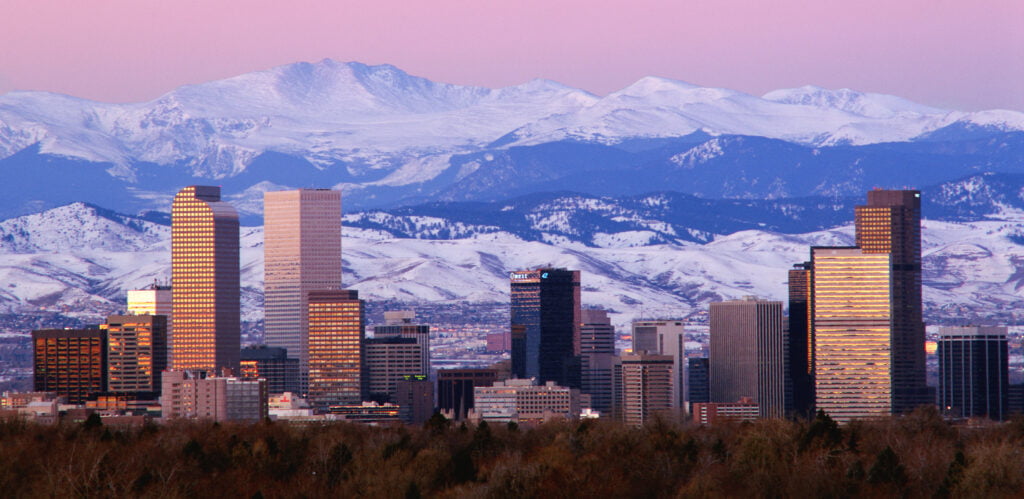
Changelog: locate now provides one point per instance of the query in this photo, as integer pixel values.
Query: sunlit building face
(204, 281)
(136, 352)
(336, 332)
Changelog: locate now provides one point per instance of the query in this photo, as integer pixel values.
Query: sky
(956, 54)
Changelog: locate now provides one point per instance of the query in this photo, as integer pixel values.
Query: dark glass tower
(801, 342)
(973, 372)
(546, 303)
(890, 223)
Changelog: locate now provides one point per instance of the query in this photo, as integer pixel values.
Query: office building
(852, 333)
(205, 288)
(336, 325)
(70, 362)
(665, 337)
(272, 364)
(645, 384)
(455, 389)
(302, 253)
(524, 401)
(136, 353)
(890, 223)
(801, 340)
(974, 372)
(388, 360)
(153, 300)
(748, 355)
(546, 303)
(415, 398)
(597, 359)
(698, 380)
(401, 324)
(708, 413)
(193, 395)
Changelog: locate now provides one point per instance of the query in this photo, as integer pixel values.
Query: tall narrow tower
(748, 355)
(546, 303)
(302, 253)
(890, 223)
(204, 281)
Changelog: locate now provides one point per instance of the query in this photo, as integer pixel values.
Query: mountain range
(391, 139)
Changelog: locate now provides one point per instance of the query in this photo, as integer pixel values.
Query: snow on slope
(383, 117)
(971, 270)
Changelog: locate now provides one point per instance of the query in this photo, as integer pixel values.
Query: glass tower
(302, 252)
(336, 333)
(973, 371)
(205, 288)
(546, 303)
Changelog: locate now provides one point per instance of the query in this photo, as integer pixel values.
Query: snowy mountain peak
(859, 103)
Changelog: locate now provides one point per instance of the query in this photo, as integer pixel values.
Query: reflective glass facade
(136, 352)
(546, 303)
(852, 331)
(801, 343)
(205, 286)
(973, 372)
(336, 321)
(71, 362)
(302, 252)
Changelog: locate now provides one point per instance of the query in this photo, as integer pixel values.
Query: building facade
(336, 324)
(665, 337)
(748, 355)
(852, 333)
(136, 353)
(524, 401)
(70, 362)
(645, 385)
(272, 364)
(546, 304)
(400, 324)
(698, 380)
(302, 253)
(205, 287)
(455, 389)
(192, 395)
(799, 333)
(388, 360)
(974, 372)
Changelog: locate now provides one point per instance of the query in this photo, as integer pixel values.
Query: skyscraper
(399, 323)
(597, 359)
(302, 253)
(748, 355)
(852, 333)
(698, 384)
(974, 372)
(665, 337)
(645, 386)
(546, 302)
(71, 362)
(890, 223)
(136, 353)
(801, 340)
(336, 333)
(205, 284)
(455, 389)
(388, 360)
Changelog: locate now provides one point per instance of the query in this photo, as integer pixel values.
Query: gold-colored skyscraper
(852, 312)
(302, 252)
(336, 331)
(890, 223)
(205, 288)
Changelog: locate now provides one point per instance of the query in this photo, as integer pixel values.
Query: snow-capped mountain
(80, 260)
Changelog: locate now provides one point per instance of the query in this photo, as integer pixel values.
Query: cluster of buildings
(852, 344)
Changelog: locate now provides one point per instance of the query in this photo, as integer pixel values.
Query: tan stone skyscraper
(302, 253)
(205, 281)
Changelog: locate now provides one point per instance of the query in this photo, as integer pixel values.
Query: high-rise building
(801, 341)
(153, 300)
(205, 288)
(890, 223)
(400, 324)
(852, 333)
(665, 337)
(336, 325)
(748, 355)
(70, 362)
(136, 353)
(272, 364)
(546, 302)
(597, 359)
(698, 381)
(645, 384)
(388, 360)
(974, 372)
(455, 389)
(302, 253)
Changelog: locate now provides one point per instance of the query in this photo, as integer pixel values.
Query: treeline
(918, 455)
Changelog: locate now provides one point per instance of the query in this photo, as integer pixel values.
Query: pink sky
(948, 53)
